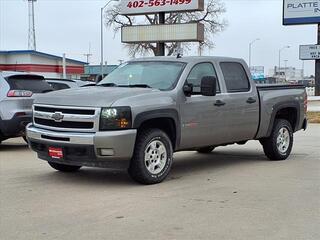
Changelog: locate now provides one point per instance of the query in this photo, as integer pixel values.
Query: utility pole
(32, 30)
(88, 55)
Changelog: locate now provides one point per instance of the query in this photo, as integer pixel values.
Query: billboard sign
(257, 73)
(136, 7)
(187, 32)
(301, 12)
(309, 52)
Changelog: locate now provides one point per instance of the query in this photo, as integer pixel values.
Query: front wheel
(63, 167)
(152, 158)
(279, 145)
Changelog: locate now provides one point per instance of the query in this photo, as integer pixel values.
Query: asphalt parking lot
(233, 193)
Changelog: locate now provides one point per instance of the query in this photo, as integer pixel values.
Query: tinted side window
(58, 86)
(198, 72)
(235, 77)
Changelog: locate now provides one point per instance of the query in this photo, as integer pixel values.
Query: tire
(63, 167)
(205, 150)
(279, 145)
(152, 157)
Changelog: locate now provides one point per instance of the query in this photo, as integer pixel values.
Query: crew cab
(149, 108)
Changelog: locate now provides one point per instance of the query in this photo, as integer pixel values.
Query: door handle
(219, 103)
(251, 100)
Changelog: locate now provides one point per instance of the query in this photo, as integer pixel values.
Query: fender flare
(280, 106)
(161, 113)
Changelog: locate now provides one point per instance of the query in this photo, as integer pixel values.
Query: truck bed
(275, 96)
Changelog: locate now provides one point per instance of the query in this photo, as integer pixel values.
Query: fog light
(106, 152)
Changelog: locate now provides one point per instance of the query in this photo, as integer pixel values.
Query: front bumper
(111, 149)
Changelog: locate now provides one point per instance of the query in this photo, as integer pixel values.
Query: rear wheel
(279, 145)
(152, 158)
(63, 167)
(205, 150)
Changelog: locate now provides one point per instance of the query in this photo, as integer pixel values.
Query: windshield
(159, 75)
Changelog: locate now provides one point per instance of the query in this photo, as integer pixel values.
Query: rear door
(242, 102)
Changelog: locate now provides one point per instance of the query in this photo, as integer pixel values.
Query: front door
(202, 117)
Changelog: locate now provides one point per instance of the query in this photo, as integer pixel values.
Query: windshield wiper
(136, 86)
(107, 85)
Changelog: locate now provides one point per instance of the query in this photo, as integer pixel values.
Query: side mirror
(188, 89)
(208, 86)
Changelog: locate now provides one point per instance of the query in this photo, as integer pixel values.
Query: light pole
(285, 69)
(101, 33)
(280, 50)
(250, 50)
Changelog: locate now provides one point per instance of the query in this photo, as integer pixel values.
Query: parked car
(17, 92)
(60, 84)
(146, 109)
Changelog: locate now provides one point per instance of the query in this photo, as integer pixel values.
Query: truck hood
(90, 96)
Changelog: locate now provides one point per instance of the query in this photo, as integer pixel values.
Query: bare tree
(210, 17)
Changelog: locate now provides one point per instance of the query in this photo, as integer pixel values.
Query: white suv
(17, 92)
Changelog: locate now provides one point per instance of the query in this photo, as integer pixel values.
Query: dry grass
(314, 117)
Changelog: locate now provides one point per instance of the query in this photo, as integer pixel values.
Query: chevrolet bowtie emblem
(57, 116)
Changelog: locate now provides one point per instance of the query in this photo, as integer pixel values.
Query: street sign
(309, 52)
(136, 7)
(187, 32)
(301, 12)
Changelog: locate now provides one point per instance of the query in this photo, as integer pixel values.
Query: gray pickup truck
(149, 108)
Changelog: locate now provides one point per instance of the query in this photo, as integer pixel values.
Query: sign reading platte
(309, 52)
(188, 32)
(136, 7)
(301, 12)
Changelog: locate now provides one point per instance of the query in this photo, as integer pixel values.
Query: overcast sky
(70, 25)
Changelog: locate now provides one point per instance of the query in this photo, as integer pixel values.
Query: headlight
(115, 118)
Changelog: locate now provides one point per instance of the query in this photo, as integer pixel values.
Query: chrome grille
(63, 118)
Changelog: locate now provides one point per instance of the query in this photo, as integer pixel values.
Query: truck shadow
(92, 176)
(194, 162)
(13, 146)
(184, 165)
